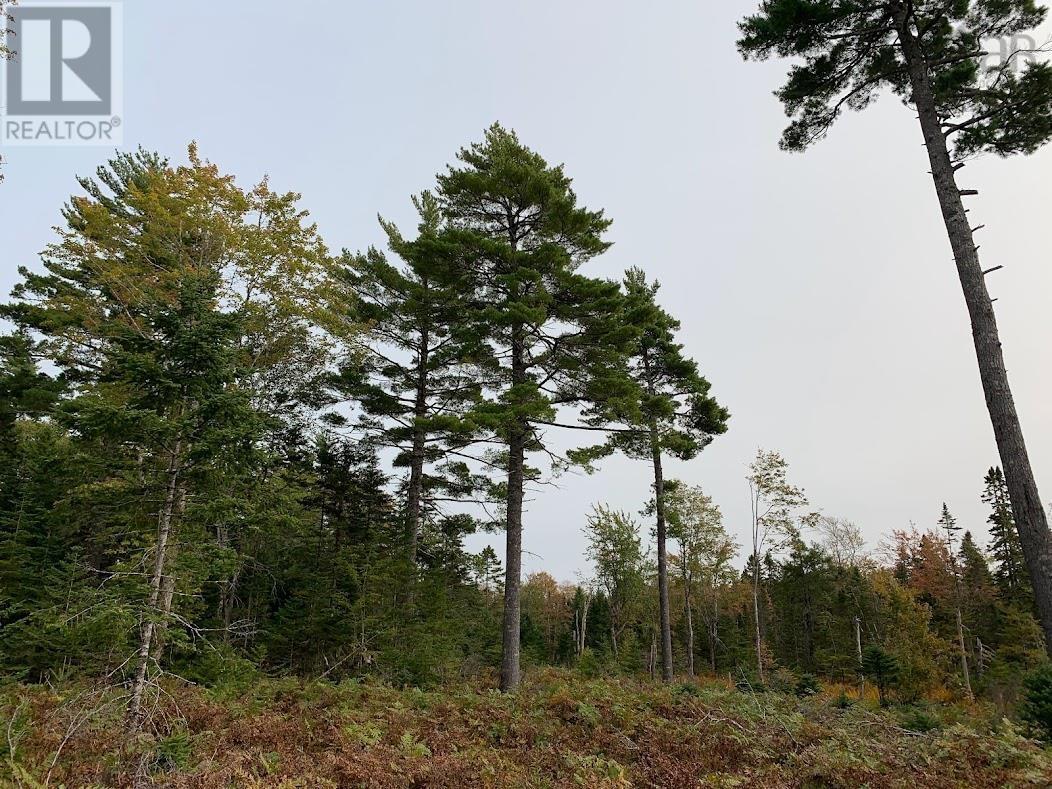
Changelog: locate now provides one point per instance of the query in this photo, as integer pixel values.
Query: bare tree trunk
(1030, 518)
(147, 627)
(168, 584)
(858, 649)
(662, 556)
(582, 625)
(964, 654)
(510, 670)
(756, 615)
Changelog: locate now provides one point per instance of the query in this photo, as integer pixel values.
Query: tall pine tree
(550, 330)
(931, 53)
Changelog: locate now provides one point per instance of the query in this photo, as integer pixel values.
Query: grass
(561, 730)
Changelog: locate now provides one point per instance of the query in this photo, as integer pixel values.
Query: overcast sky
(817, 291)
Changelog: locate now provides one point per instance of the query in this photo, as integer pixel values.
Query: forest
(248, 486)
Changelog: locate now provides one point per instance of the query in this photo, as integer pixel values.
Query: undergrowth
(560, 730)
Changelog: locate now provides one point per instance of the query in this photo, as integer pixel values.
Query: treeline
(225, 446)
(928, 611)
(224, 449)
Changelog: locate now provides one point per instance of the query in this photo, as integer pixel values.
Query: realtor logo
(62, 84)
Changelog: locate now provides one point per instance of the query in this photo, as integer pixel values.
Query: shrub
(882, 668)
(782, 680)
(920, 720)
(807, 685)
(1036, 707)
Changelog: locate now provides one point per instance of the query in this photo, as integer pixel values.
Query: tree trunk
(713, 636)
(509, 671)
(662, 556)
(146, 633)
(964, 654)
(582, 622)
(689, 617)
(756, 615)
(858, 650)
(1030, 519)
(168, 584)
(416, 458)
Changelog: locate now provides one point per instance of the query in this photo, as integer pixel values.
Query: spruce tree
(152, 306)
(1010, 570)
(550, 330)
(931, 54)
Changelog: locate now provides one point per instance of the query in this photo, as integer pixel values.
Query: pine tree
(551, 333)
(931, 53)
(882, 668)
(672, 415)
(411, 372)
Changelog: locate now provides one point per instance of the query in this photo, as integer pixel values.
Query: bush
(749, 684)
(882, 668)
(919, 720)
(807, 685)
(843, 701)
(1036, 708)
(782, 680)
(592, 665)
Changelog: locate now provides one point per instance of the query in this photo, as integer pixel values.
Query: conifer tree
(139, 310)
(1010, 571)
(551, 331)
(414, 372)
(949, 527)
(931, 53)
(672, 414)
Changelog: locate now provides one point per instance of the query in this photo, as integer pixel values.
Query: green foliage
(173, 752)
(1010, 573)
(1036, 705)
(807, 685)
(882, 668)
(849, 52)
(919, 719)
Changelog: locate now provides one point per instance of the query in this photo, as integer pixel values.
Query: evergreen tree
(411, 373)
(673, 414)
(882, 668)
(1010, 571)
(137, 311)
(551, 331)
(931, 53)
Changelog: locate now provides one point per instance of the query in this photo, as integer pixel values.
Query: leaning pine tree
(551, 331)
(930, 52)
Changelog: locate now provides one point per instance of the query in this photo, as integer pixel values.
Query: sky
(816, 291)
